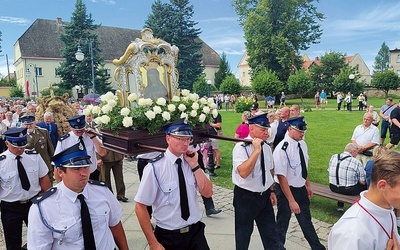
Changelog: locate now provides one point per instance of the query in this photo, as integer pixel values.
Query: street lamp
(209, 82)
(351, 77)
(80, 56)
(28, 74)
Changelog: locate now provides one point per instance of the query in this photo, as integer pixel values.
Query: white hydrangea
(157, 110)
(194, 97)
(176, 98)
(86, 112)
(96, 110)
(90, 106)
(185, 92)
(105, 119)
(107, 96)
(210, 100)
(166, 116)
(97, 120)
(106, 108)
(203, 101)
(127, 122)
(112, 102)
(193, 113)
(161, 101)
(171, 107)
(125, 111)
(202, 117)
(184, 115)
(195, 106)
(149, 102)
(132, 97)
(206, 110)
(182, 107)
(185, 98)
(150, 115)
(213, 106)
(142, 102)
(214, 113)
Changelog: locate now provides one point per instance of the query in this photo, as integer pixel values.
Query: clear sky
(350, 26)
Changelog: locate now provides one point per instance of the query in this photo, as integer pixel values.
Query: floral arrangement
(152, 115)
(243, 104)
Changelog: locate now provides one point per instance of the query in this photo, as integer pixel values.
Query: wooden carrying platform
(324, 191)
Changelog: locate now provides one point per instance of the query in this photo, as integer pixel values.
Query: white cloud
(14, 20)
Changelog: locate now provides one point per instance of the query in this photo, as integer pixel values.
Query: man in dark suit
(51, 127)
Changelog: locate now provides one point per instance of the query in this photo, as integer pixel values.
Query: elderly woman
(242, 130)
(375, 116)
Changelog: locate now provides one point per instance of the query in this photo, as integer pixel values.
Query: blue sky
(350, 26)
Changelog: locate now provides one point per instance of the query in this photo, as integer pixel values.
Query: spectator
(376, 154)
(3, 129)
(273, 123)
(254, 192)
(50, 126)
(317, 100)
(227, 100)
(346, 173)
(385, 114)
(366, 136)
(183, 214)
(254, 108)
(292, 183)
(339, 99)
(282, 100)
(324, 101)
(282, 126)
(349, 100)
(233, 101)
(369, 223)
(375, 116)
(294, 110)
(216, 129)
(395, 127)
(242, 130)
(361, 102)
(10, 123)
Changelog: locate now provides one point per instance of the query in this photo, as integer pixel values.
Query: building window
(39, 71)
(244, 74)
(398, 72)
(398, 58)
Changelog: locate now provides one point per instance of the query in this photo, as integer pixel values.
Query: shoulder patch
(157, 158)
(62, 138)
(2, 157)
(245, 144)
(31, 152)
(98, 183)
(44, 195)
(285, 145)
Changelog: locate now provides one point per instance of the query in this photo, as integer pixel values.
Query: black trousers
(304, 217)
(250, 207)
(12, 216)
(174, 240)
(353, 190)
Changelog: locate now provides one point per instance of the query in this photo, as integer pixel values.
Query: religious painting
(155, 81)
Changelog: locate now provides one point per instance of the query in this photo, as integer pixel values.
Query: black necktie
(182, 190)
(262, 166)
(83, 143)
(22, 174)
(87, 230)
(303, 162)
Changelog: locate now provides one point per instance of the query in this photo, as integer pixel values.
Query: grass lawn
(328, 133)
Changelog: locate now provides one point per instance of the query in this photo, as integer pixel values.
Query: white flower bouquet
(152, 115)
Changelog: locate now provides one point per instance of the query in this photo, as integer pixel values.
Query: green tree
(382, 60)
(16, 91)
(386, 81)
(344, 84)
(230, 85)
(178, 29)
(300, 83)
(275, 32)
(223, 71)
(324, 74)
(80, 31)
(201, 87)
(266, 83)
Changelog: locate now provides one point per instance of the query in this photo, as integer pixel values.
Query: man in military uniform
(39, 140)
(77, 213)
(23, 175)
(85, 136)
(170, 183)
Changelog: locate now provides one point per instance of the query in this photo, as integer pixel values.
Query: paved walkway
(220, 228)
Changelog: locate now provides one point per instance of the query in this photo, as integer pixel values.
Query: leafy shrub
(243, 104)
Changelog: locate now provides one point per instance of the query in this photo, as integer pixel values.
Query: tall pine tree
(172, 23)
(382, 59)
(223, 71)
(72, 72)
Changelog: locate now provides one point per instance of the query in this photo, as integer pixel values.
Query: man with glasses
(170, 183)
(292, 185)
(254, 194)
(23, 176)
(366, 137)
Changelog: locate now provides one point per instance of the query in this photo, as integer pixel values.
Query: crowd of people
(61, 183)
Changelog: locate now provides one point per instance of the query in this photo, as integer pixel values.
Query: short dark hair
(387, 167)
(64, 169)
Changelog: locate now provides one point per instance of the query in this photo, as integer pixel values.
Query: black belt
(18, 202)
(177, 231)
(258, 193)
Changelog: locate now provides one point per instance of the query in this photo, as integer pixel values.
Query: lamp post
(351, 77)
(79, 55)
(28, 74)
(209, 82)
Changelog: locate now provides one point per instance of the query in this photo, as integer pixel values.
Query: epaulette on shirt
(2, 157)
(98, 183)
(285, 145)
(157, 158)
(64, 137)
(44, 195)
(245, 144)
(31, 152)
